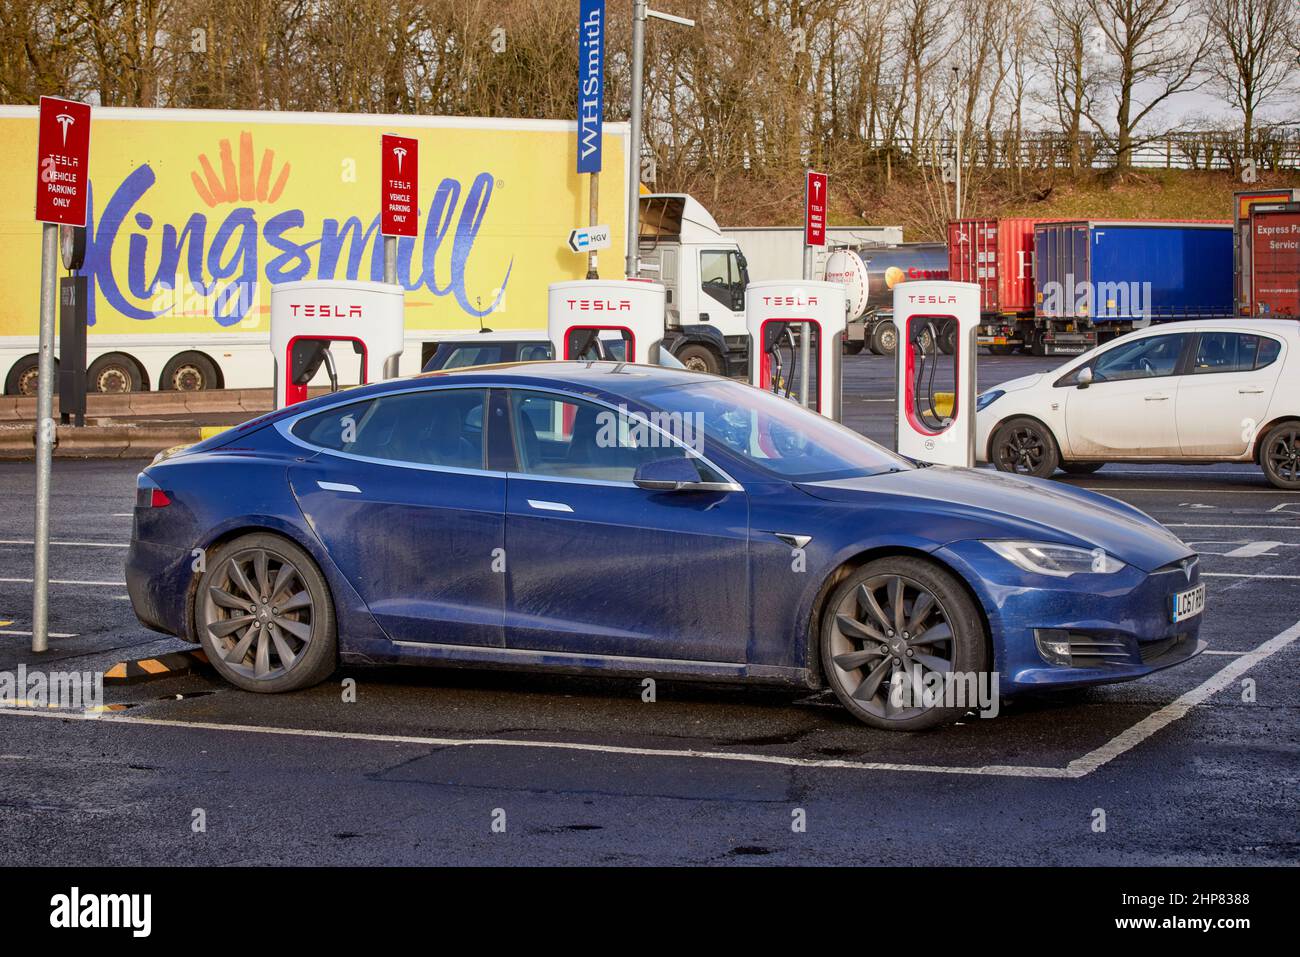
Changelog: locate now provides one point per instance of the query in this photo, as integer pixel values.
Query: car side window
(1146, 358)
(465, 356)
(441, 427)
(534, 351)
(564, 437)
(720, 277)
(1269, 350)
(1225, 352)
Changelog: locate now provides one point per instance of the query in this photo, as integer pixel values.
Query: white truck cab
(704, 276)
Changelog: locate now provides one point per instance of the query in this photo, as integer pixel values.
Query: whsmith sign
(192, 215)
(591, 83)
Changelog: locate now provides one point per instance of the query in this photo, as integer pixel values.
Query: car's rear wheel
(894, 631)
(1025, 447)
(264, 616)
(1280, 455)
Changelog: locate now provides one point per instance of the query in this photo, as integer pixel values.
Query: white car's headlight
(1059, 561)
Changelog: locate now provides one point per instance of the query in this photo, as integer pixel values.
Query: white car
(1225, 390)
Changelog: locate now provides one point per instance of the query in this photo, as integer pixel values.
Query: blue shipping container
(1126, 271)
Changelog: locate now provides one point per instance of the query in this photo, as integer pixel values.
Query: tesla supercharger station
(929, 427)
(334, 323)
(776, 314)
(606, 319)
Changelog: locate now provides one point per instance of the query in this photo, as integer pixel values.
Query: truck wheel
(1001, 350)
(854, 348)
(884, 339)
(25, 376)
(189, 372)
(948, 338)
(1280, 455)
(1026, 447)
(699, 358)
(1036, 345)
(114, 373)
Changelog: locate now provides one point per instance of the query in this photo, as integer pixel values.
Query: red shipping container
(998, 254)
(1275, 261)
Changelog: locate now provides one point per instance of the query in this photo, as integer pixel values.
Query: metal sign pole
(593, 221)
(634, 180)
(44, 439)
(805, 345)
(390, 260)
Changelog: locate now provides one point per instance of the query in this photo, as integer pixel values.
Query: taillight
(149, 494)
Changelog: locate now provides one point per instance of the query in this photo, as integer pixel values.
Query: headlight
(1059, 561)
(986, 399)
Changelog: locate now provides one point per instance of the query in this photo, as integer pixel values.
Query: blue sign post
(591, 83)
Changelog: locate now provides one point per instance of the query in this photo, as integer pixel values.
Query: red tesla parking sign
(814, 229)
(399, 193)
(62, 161)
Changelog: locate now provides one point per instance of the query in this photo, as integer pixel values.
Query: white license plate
(1189, 604)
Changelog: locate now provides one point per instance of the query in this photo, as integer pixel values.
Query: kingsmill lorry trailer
(195, 214)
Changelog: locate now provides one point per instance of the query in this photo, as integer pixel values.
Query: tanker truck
(869, 274)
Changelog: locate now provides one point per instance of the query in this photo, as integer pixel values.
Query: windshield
(773, 434)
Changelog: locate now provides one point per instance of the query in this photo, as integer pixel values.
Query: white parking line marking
(1245, 575)
(1176, 709)
(1253, 549)
(1215, 651)
(1078, 768)
(996, 770)
(19, 541)
(1276, 528)
(27, 634)
(62, 581)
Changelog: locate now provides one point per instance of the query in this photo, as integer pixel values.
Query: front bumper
(1118, 625)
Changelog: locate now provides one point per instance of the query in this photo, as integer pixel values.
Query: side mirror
(676, 474)
(1084, 378)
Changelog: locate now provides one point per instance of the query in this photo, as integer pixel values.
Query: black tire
(1081, 468)
(700, 358)
(1026, 447)
(1279, 456)
(1035, 345)
(853, 634)
(884, 338)
(948, 338)
(189, 372)
(304, 633)
(24, 377)
(854, 347)
(114, 373)
(1002, 350)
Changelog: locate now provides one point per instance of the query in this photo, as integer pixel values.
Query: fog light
(1053, 645)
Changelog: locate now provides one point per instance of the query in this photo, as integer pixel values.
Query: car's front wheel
(1026, 447)
(264, 617)
(897, 634)
(1280, 455)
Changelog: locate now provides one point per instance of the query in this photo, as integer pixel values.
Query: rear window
(442, 427)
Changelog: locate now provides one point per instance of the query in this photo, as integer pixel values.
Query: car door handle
(339, 487)
(1158, 397)
(548, 506)
(1250, 391)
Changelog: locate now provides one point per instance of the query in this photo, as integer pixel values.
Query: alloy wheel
(1284, 455)
(890, 631)
(259, 614)
(1022, 451)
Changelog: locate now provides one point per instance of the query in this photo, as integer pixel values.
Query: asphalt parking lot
(1195, 765)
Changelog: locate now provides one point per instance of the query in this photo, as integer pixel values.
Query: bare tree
(1155, 46)
(1250, 57)
(1070, 70)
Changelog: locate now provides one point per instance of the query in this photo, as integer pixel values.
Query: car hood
(955, 504)
(1015, 385)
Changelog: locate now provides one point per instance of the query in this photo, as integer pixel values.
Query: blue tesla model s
(617, 518)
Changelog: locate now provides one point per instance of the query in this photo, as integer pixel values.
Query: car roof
(508, 335)
(1279, 327)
